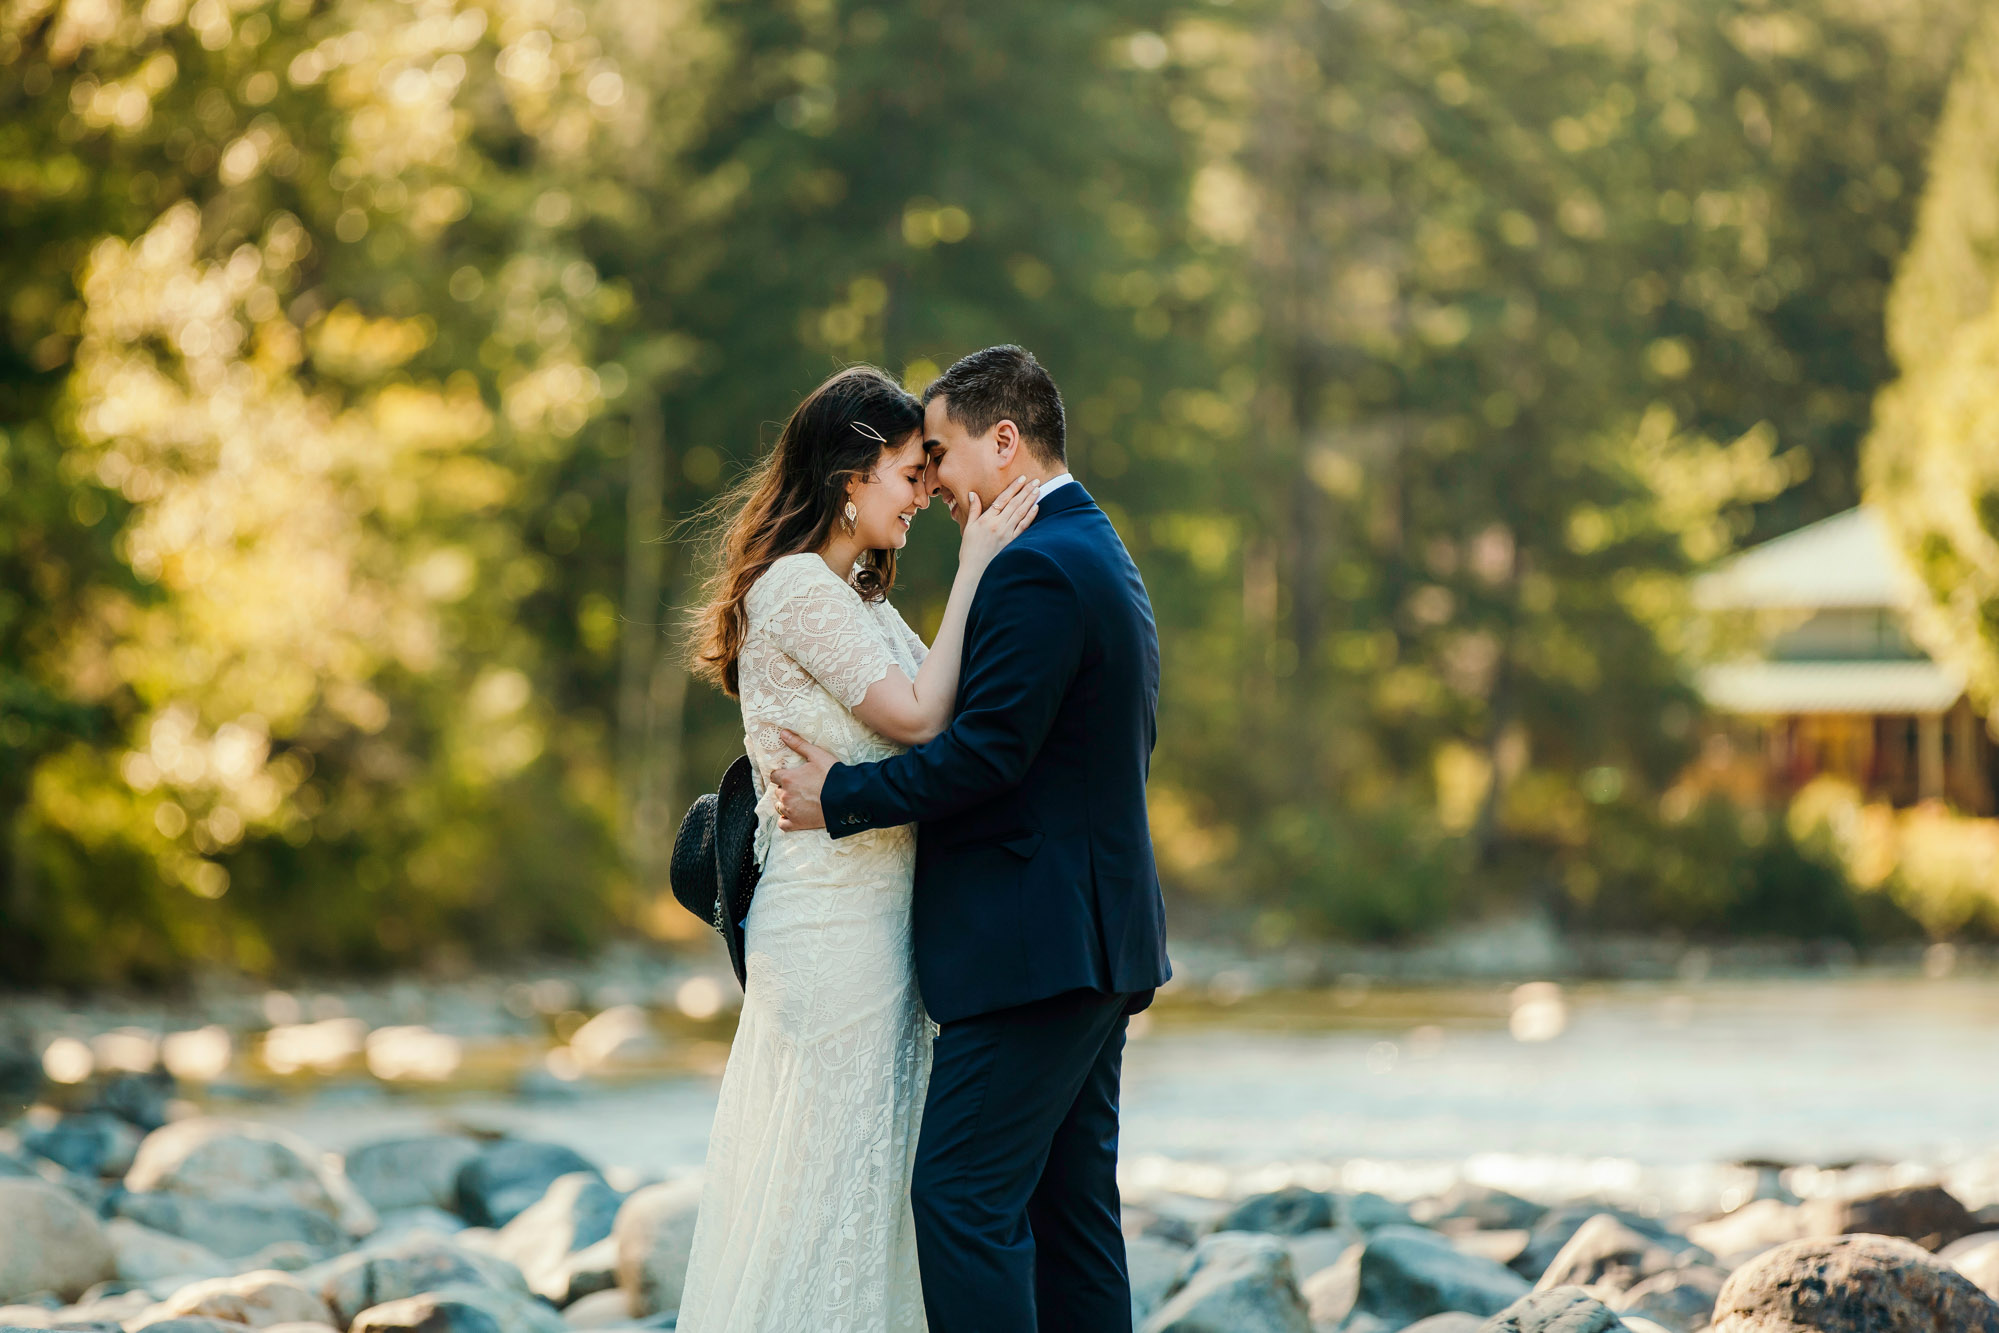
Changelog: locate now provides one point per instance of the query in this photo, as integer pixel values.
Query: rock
(288, 1256)
(1502, 1247)
(1977, 1257)
(1400, 1274)
(576, 1212)
(92, 1143)
(1153, 1264)
(144, 1255)
(1478, 1207)
(1182, 1219)
(52, 1242)
(1738, 1236)
(1852, 1284)
(237, 1162)
(411, 1172)
(183, 1324)
(1318, 1250)
(1559, 1225)
(422, 1217)
(139, 1099)
(300, 1328)
(1555, 1310)
(601, 1309)
(258, 1299)
(1681, 1299)
(1925, 1214)
(592, 1269)
(459, 1309)
(405, 1267)
(499, 1183)
(1287, 1212)
(1606, 1254)
(231, 1228)
(1454, 1322)
(1366, 1212)
(654, 1232)
(1634, 1323)
(1233, 1282)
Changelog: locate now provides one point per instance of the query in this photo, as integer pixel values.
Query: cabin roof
(1831, 687)
(1845, 561)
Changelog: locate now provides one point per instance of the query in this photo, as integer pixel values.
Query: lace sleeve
(917, 647)
(817, 621)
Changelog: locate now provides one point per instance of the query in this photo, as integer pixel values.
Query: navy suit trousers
(1015, 1191)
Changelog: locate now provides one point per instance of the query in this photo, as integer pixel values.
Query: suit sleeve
(1023, 646)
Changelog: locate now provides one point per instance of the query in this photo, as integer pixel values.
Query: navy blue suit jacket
(1034, 868)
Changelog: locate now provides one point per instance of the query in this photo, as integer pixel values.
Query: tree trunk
(652, 681)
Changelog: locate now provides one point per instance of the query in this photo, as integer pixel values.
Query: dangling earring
(852, 516)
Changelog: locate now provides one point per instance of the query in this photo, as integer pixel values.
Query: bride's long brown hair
(790, 501)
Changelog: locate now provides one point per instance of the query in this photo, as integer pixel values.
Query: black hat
(714, 871)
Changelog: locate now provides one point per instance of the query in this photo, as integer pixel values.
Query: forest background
(367, 367)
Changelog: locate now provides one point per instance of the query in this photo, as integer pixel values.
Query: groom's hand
(798, 787)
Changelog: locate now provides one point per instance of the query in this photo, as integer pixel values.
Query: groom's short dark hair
(1005, 383)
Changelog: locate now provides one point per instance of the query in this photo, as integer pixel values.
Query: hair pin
(869, 431)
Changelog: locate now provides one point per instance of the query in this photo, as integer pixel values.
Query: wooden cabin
(1838, 686)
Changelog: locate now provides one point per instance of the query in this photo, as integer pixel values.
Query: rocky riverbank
(115, 1221)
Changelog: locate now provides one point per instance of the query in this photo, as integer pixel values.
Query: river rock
(1608, 1256)
(145, 1255)
(258, 1299)
(1365, 1212)
(1977, 1257)
(1233, 1282)
(1739, 1236)
(412, 1172)
(51, 1242)
(1153, 1264)
(1181, 1219)
(1555, 1310)
(1681, 1299)
(1286, 1212)
(1558, 1227)
(459, 1309)
(592, 1269)
(238, 1162)
(404, 1267)
(91, 1143)
(601, 1309)
(576, 1212)
(654, 1232)
(1455, 1321)
(1502, 1247)
(1480, 1207)
(1926, 1214)
(232, 1228)
(422, 1217)
(183, 1324)
(498, 1183)
(1852, 1284)
(139, 1100)
(1400, 1274)
(1316, 1251)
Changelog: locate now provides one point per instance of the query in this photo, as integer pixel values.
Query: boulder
(1926, 1214)
(167, 1323)
(499, 1182)
(234, 1229)
(1233, 1282)
(1738, 1236)
(1401, 1274)
(1502, 1247)
(1153, 1264)
(1607, 1255)
(237, 1162)
(139, 1100)
(1316, 1251)
(592, 1269)
(145, 1255)
(1365, 1212)
(459, 1309)
(1290, 1211)
(1852, 1284)
(289, 1256)
(258, 1299)
(1454, 1322)
(575, 1213)
(1977, 1257)
(1555, 1310)
(52, 1242)
(1681, 1299)
(413, 1172)
(1559, 1225)
(422, 1217)
(1181, 1219)
(1479, 1207)
(405, 1267)
(91, 1143)
(602, 1309)
(300, 1328)
(653, 1233)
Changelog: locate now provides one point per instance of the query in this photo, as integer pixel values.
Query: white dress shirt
(1051, 484)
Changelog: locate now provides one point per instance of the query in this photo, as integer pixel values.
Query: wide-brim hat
(713, 871)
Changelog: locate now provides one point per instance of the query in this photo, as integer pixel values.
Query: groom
(1038, 921)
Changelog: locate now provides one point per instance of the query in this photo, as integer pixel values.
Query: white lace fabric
(805, 1224)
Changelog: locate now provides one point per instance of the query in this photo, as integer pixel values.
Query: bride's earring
(852, 516)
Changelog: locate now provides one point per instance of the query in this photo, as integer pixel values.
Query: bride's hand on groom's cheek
(798, 787)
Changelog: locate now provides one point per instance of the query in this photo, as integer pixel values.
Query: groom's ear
(1006, 438)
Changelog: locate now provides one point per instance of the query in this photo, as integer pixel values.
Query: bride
(805, 1222)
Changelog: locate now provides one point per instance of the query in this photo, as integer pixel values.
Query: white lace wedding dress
(805, 1225)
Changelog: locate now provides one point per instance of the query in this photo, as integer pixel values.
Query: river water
(1648, 1092)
